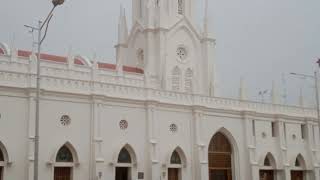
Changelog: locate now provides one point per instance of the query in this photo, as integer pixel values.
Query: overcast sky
(257, 39)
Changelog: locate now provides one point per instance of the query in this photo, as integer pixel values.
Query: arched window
(188, 80)
(175, 158)
(64, 155)
(297, 163)
(181, 7)
(124, 156)
(176, 79)
(267, 161)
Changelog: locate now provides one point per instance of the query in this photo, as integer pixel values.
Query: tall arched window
(176, 79)
(181, 7)
(175, 158)
(188, 80)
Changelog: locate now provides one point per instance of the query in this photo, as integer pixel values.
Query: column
(153, 165)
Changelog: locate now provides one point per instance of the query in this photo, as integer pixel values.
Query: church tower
(165, 42)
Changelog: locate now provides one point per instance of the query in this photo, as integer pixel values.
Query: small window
(175, 158)
(303, 131)
(273, 129)
(253, 127)
(124, 156)
(64, 155)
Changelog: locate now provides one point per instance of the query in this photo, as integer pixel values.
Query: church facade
(153, 115)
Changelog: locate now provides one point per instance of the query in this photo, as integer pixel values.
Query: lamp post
(39, 43)
(316, 79)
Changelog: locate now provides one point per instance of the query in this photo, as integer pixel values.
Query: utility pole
(37, 100)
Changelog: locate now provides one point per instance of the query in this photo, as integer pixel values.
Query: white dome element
(5, 48)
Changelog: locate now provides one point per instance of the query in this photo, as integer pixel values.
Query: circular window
(181, 53)
(65, 120)
(123, 124)
(173, 128)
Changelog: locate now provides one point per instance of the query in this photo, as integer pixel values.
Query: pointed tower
(208, 45)
(301, 98)
(164, 41)
(274, 94)
(122, 45)
(242, 90)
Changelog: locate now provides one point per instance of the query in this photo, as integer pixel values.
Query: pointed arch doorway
(175, 166)
(268, 172)
(64, 164)
(220, 158)
(124, 165)
(298, 172)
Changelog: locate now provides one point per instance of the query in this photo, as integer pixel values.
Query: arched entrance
(1, 164)
(267, 172)
(298, 172)
(174, 169)
(64, 164)
(124, 165)
(220, 158)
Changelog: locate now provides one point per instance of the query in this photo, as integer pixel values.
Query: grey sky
(256, 39)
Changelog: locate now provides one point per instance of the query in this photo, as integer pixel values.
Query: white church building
(153, 115)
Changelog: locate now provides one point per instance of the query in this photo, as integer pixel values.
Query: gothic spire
(122, 27)
(205, 20)
(242, 91)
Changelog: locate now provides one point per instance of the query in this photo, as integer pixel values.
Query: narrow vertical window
(314, 136)
(303, 131)
(188, 80)
(180, 7)
(253, 127)
(273, 129)
(176, 79)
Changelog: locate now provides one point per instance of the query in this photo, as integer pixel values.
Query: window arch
(299, 162)
(267, 162)
(64, 155)
(188, 80)
(181, 7)
(124, 156)
(175, 158)
(176, 79)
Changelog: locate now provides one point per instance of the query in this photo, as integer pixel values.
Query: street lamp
(316, 78)
(39, 43)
